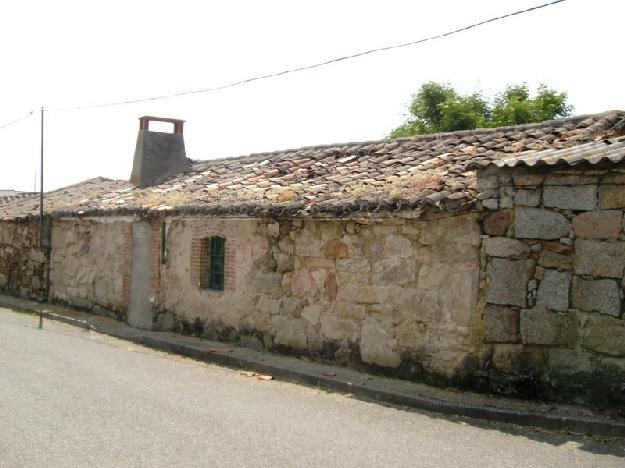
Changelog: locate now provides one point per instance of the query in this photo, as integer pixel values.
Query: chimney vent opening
(162, 127)
(155, 124)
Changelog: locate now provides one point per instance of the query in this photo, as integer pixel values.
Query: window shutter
(217, 263)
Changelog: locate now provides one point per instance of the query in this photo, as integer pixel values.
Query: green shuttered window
(163, 243)
(217, 263)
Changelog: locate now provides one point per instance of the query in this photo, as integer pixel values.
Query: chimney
(158, 155)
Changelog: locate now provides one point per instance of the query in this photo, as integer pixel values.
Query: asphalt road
(69, 398)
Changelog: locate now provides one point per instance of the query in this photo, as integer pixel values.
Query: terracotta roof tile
(328, 180)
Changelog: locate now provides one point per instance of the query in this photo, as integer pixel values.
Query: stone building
(490, 259)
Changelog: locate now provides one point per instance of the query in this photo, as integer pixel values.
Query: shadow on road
(600, 445)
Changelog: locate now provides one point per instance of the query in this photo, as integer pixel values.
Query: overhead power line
(13, 122)
(316, 65)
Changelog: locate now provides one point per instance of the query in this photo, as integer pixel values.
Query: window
(217, 264)
(163, 243)
(211, 266)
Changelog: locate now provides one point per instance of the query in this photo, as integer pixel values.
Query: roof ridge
(415, 138)
(83, 182)
(7, 199)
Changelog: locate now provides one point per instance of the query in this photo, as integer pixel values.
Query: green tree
(515, 106)
(438, 107)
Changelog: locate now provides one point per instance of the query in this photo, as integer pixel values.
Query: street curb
(582, 425)
(552, 422)
(38, 309)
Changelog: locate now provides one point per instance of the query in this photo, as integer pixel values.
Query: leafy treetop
(439, 108)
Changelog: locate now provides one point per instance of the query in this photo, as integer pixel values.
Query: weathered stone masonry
(389, 293)
(23, 263)
(90, 264)
(553, 258)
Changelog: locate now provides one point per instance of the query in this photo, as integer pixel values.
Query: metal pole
(41, 207)
(41, 187)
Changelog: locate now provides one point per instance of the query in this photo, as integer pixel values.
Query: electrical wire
(313, 66)
(13, 122)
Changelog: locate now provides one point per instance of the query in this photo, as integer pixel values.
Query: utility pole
(41, 188)
(41, 207)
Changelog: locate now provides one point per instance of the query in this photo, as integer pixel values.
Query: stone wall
(90, 264)
(553, 258)
(23, 264)
(184, 303)
(398, 295)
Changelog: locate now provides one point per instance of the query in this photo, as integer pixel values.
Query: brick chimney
(158, 155)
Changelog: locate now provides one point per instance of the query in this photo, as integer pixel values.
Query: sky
(72, 53)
